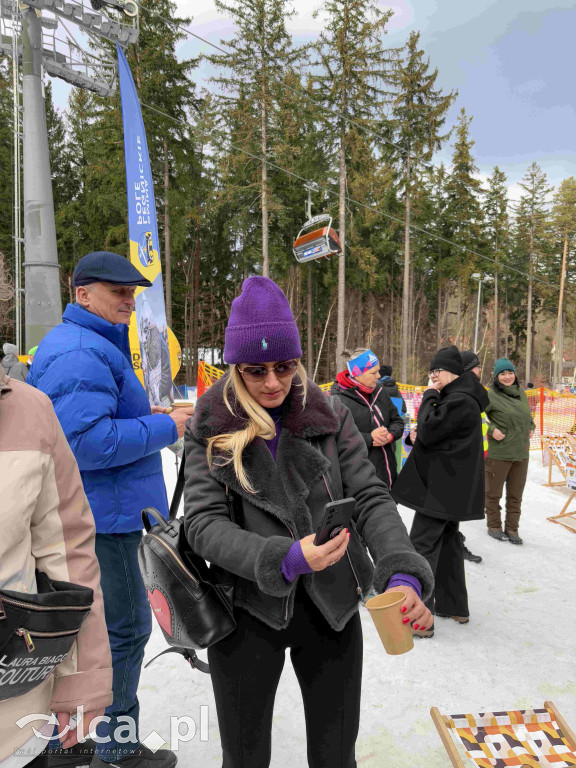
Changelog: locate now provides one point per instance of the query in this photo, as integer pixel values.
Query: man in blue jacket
(84, 366)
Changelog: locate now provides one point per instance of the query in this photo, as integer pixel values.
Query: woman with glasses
(285, 450)
(373, 411)
(443, 479)
(509, 433)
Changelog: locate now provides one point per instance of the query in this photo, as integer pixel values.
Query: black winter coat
(384, 460)
(444, 474)
(288, 505)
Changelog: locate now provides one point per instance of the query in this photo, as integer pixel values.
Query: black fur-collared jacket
(288, 505)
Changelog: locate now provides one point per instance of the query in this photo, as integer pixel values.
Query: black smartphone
(337, 515)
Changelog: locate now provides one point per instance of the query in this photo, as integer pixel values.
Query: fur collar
(282, 487)
(212, 417)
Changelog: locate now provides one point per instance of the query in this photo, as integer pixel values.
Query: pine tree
(418, 113)
(533, 239)
(355, 65)
(498, 235)
(464, 214)
(6, 161)
(261, 54)
(564, 222)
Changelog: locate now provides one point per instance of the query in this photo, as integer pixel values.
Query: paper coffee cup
(385, 612)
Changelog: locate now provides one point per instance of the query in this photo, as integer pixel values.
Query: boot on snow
(142, 758)
(498, 534)
(513, 537)
(467, 554)
(78, 756)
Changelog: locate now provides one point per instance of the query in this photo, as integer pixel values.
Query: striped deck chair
(526, 738)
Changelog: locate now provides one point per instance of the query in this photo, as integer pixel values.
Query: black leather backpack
(190, 601)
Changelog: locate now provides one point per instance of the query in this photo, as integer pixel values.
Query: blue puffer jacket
(84, 367)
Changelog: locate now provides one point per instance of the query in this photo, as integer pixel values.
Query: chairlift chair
(316, 242)
(128, 7)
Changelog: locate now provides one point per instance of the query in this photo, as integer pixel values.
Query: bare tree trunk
(529, 318)
(506, 324)
(558, 362)
(406, 286)
(195, 309)
(309, 324)
(167, 254)
(340, 340)
(496, 309)
(438, 315)
(265, 258)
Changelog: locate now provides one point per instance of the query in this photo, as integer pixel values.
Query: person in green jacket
(509, 434)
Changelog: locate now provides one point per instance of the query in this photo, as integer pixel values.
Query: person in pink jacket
(47, 525)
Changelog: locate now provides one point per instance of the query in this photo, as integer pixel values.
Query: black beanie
(469, 359)
(449, 359)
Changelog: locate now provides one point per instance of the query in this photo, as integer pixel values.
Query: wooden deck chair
(527, 738)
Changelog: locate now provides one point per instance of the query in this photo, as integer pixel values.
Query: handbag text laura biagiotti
(192, 603)
(37, 631)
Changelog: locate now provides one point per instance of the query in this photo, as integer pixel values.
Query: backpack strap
(234, 508)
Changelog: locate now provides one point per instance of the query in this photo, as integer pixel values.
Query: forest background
(364, 121)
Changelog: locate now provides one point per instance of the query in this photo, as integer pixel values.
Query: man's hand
(497, 435)
(71, 736)
(180, 417)
(160, 409)
(413, 435)
(326, 554)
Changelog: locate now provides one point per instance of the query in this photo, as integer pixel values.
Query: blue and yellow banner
(150, 316)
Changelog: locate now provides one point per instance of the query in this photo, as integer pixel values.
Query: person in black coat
(443, 478)
(373, 411)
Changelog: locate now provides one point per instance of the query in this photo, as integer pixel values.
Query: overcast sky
(512, 62)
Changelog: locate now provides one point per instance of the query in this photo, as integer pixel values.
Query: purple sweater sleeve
(294, 563)
(403, 578)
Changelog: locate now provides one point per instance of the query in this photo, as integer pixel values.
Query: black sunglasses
(260, 372)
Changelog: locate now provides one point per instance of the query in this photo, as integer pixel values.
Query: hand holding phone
(319, 558)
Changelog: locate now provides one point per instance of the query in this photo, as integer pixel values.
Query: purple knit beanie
(261, 326)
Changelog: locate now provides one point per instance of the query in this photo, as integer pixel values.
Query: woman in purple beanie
(284, 450)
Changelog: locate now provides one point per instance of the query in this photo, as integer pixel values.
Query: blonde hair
(231, 445)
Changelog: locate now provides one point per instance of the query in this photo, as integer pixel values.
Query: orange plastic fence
(553, 413)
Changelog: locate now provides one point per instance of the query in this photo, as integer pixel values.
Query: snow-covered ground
(518, 650)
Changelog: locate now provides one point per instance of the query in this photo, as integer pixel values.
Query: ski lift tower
(65, 38)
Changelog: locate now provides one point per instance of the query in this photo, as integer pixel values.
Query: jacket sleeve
(85, 396)
(439, 419)
(215, 537)
(62, 534)
(376, 516)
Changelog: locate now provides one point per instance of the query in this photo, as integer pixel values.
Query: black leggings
(246, 668)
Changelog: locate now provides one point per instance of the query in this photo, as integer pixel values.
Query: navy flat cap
(107, 267)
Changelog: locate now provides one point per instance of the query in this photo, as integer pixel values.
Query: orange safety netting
(553, 413)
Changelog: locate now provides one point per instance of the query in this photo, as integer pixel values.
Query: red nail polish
(403, 609)
(405, 620)
(416, 626)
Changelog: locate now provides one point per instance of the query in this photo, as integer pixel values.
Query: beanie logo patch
(264, 344)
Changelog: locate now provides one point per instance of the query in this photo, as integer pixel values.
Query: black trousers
(438, 541)
(246, 668)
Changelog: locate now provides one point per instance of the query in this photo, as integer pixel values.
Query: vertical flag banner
(144, 245)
